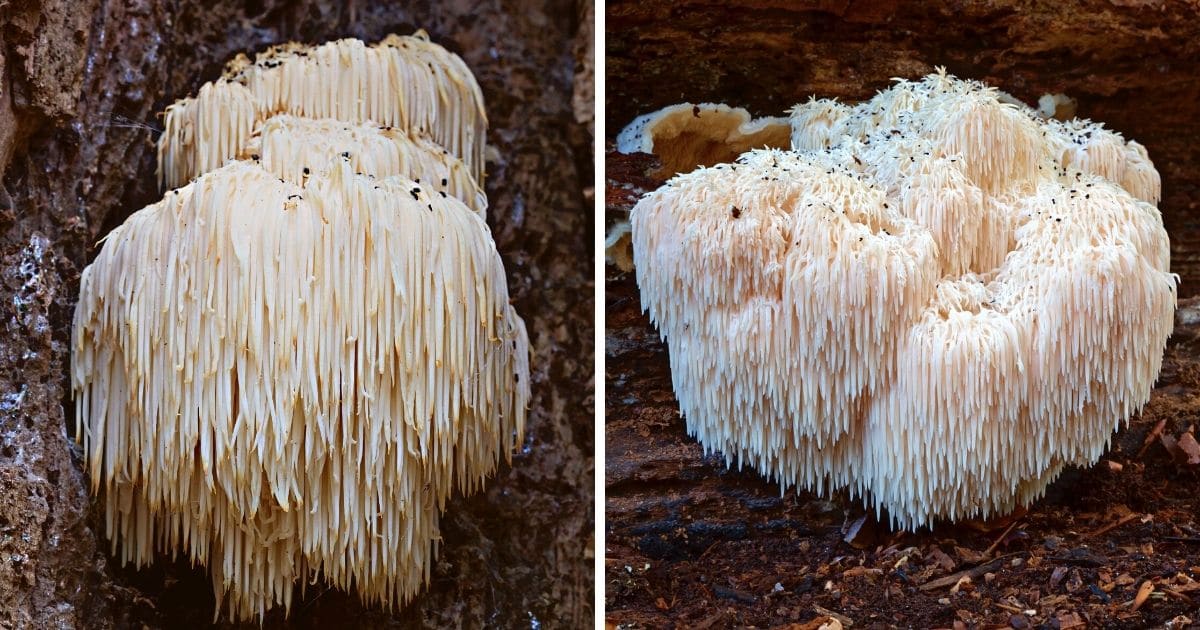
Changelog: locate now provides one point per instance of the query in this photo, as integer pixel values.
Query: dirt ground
(693, 544)
(80, 86)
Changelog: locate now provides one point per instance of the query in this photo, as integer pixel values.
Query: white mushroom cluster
(284, 368)
(936, 298)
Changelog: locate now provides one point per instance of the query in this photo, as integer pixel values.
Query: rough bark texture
(80, 83)
(691, 543)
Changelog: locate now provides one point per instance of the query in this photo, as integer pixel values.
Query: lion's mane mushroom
(287, 145)
(937, 299)
(405, 82)
(283, 372)
(687, 136)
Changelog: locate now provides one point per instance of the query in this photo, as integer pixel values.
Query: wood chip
(1158, 428)
(1180, 621)
(860, 571)
(1143, 594)
(1178, 595)
(820, 623)
(1056, 576)
(1189, 447)
(944, 561)
(852, 531)
(1111, 526)
(953, 578)
(997, 542)
(843, 619)
(969, 556)
(1012, 609)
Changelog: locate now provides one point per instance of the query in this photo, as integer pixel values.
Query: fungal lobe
(284, 368)
(924, 309)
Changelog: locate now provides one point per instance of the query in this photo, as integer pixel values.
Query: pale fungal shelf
(284, 368)
(686, 135)
(935, 298)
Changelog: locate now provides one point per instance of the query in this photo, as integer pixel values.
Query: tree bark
(80, 84)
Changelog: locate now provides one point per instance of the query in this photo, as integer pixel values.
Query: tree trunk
(80, 86)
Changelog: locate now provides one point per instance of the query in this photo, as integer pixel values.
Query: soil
(693, 543)
(80, 84)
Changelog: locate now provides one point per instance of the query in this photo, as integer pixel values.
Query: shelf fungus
(934, 298)
(687, 135)
(285, 367)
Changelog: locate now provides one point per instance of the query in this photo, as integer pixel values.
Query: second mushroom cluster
(937, 298)
(285, 367)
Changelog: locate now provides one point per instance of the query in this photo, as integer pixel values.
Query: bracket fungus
(936, 299)
(685, 136)
(284, 368)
